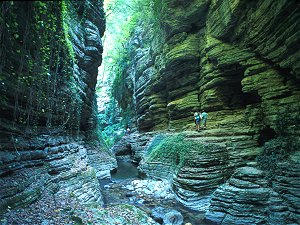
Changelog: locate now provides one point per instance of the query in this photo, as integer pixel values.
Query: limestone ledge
(61, 164)
(248, 199)
(201, 172)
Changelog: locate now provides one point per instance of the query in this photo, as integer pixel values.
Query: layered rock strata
(195, 168)
(246, 198)
(239, 61)
(50, 52)
(236, 70)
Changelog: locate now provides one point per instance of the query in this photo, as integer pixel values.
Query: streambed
(125, 187)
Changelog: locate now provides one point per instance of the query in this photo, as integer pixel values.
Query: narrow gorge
(97, 104)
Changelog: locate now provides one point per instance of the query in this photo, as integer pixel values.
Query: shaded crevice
(195, 28)
(251, 98)
(7, 174)
(266, 134)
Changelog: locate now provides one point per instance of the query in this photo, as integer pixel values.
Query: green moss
(66, 16)
(174, 150)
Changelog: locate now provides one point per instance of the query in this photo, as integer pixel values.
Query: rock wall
(246, 197)
(226, 58)
(238, 61)
(50, 53)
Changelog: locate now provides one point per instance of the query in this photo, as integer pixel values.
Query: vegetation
(142, 14)
(173, 150)
(275, 152)
(37, 62)
(122, 20)
(278, 149)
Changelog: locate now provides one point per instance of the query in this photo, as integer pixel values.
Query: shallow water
(114, 193)
(125, 170)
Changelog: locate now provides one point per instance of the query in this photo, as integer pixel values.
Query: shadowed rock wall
(50, 53)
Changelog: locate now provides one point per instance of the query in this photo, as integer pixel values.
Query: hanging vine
(36, 66)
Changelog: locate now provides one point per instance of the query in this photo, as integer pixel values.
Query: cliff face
(227, 58)
(239, 61)
(50, 52)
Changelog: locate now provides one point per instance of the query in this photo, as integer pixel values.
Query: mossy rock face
(179, 16)
(237, 60)
(177, 151)
(48, 72)
(223, 60)
(193, 167)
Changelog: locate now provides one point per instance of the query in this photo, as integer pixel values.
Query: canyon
(236, 60)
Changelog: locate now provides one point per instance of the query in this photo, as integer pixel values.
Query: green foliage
(140, 12)
(66, 15)
(173, 149)
(288, 120)
(136, 13)
(122, 20)
(112, 134)
(41, 68)
(280, 148)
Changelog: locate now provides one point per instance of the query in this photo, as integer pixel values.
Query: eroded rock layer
(247, 198)
(50, 52)
(221, 57)
(238, 61)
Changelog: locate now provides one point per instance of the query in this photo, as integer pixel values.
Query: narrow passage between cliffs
(154, 197)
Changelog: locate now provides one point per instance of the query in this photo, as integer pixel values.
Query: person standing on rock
(197, 116)
(204, 116)
(127, 131)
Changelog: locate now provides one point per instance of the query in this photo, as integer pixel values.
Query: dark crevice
(234, 97)
(7, 174)
(53, 172)
(266, 134)
(194, 29)
(252, 98)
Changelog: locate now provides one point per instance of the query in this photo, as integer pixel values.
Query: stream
(120, 190)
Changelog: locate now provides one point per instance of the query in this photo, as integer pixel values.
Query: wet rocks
(167, 216)
(200, 176)
(122, 147)
(286, 183)
(151, 188)
(101, 159)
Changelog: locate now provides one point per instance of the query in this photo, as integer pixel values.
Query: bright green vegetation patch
(174, 150)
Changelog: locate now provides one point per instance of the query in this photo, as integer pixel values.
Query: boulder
(167, 216)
